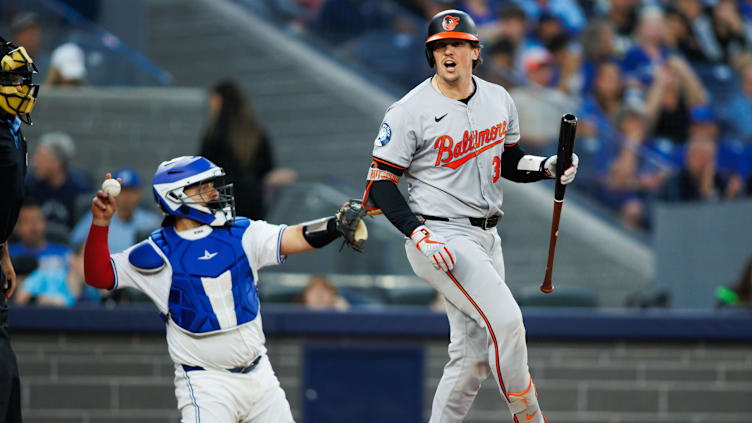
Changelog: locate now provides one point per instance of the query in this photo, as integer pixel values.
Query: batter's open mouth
(450, 64)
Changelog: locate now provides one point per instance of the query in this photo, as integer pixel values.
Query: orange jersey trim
(375, 159)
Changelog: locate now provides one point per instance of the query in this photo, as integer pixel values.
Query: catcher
(200, 270)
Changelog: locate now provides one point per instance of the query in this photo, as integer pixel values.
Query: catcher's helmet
(173, 176)
(16, 69)
(450, 24)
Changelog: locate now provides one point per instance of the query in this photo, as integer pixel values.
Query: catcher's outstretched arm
(348, 223)
(308, 236)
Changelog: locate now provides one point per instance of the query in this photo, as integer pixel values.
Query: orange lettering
(494, 132)
(444, 143)
(483, 137)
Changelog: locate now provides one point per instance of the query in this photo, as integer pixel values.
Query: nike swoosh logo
(531, 417)
(439, 118)
(208, 255)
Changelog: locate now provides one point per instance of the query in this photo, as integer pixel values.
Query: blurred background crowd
(662, 91)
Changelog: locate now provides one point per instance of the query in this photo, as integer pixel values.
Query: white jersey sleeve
(262, 243)
(155, 283)
(513, 127)
(397, 141)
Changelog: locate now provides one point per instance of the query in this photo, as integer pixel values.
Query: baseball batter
(200, 270)
(454, 137)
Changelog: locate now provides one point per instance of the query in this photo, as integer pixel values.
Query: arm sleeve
(388, 198)
(509, 162)
(262, 243)
(97, 266)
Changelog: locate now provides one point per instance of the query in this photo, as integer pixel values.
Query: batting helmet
(452, 23)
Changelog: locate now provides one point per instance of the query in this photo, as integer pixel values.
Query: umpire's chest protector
(212, 281)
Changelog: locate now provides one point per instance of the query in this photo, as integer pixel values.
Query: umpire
(17, 97)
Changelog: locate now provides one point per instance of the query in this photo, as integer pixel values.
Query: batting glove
(549, 166)
(441, 255)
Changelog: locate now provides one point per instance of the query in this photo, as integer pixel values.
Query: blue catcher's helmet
(173, 176)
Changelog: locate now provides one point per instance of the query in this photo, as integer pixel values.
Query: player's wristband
(321, 232)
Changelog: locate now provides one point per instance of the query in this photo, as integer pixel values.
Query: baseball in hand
(111, 186)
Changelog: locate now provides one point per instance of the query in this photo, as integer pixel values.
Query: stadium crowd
(662, 89)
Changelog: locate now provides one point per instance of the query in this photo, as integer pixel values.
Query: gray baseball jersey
(451, 155)
(451, 150)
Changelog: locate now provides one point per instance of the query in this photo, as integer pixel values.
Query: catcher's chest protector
(206, 271)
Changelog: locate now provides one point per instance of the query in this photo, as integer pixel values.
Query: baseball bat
(564, 160)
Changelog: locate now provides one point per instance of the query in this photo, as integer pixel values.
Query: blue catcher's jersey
(204, 279)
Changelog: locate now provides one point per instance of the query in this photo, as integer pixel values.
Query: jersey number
(496, 168)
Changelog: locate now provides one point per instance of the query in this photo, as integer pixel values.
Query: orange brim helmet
(450, 24)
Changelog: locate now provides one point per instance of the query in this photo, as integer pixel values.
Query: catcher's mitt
(350, 224)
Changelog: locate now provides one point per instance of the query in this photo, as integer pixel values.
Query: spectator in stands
(63, 287)
(698, 180)
(730, 152)
(29, 241)
(622, 14)
(642, 59)
(604, 102)
(539, 106)
(26, 31)
(500, 66)
(598, 47)
(635, 173)
(131, 223)
(68, 66)
(53, 182)
(510, 25)
(551, 34)
(235, 141)
(737, 111)
(734, 39)
(674, 91)
(685, 23)
(321, 294)
(568, 11)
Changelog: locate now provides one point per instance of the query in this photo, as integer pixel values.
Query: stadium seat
(277, 293)
(531, 296)
(422, 295)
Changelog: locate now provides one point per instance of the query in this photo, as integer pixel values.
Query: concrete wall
(92, 378)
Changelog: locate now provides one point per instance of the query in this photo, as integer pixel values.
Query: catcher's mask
(174, 176)
(16, 70)
(451, 24)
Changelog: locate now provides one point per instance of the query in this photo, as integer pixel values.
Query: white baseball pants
(218, 396)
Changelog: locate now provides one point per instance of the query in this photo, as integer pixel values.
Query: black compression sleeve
(509, 160)
(321, 232)
(388, 198)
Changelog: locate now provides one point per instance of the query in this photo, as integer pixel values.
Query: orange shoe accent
(531, 417)
(529, 385)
